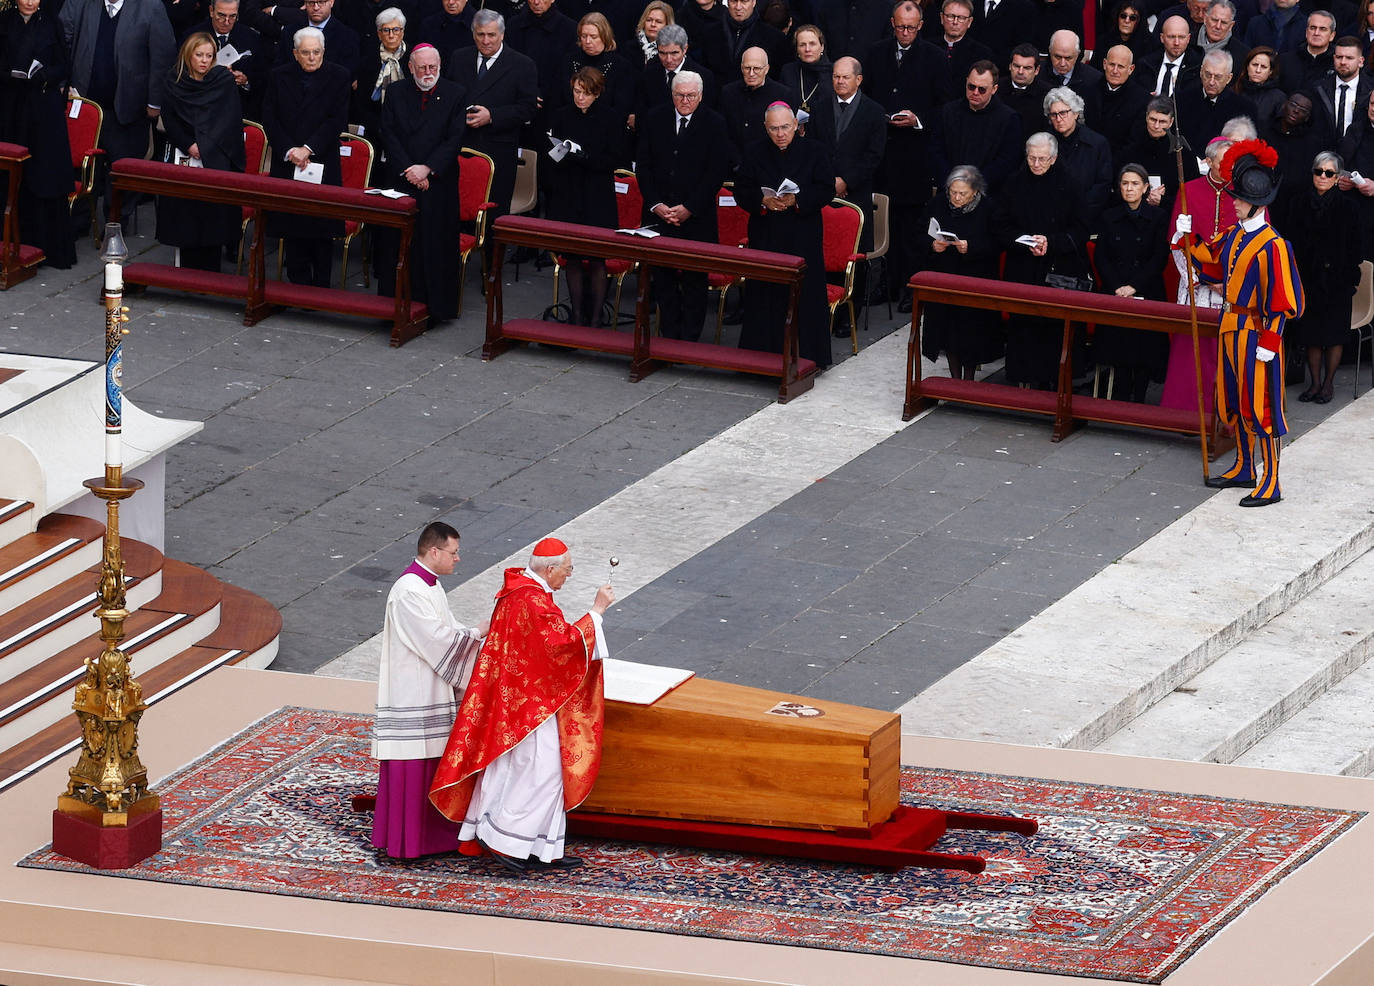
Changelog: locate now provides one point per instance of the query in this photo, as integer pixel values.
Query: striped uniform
(1262, 291)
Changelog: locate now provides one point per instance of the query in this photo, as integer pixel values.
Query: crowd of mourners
(1006, 137)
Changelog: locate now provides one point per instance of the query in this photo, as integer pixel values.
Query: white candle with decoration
(114, 253)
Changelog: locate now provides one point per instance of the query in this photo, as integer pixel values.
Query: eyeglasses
(1324, 173)
(391, 30)
(1059, 114)
(905, 28)
(1130, 17)
(974, 88)
(957, 18)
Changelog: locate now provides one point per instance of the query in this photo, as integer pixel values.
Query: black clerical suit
(1200, 119)
(961, 55)
(424, 128)
(743, 109)
(682, 168)
(254, 61)
(307, 109)
(799, 231)
(920, 82)
(509, 89)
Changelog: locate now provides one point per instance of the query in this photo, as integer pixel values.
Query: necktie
(671, 72)
(681, 125)
(223, 39)
(482, 70)
(110, 9)
(900, 52)
(1166, 88)
(842, 117)
(992, 5)
(1340, 109)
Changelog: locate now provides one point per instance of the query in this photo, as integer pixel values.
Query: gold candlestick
(108, 818)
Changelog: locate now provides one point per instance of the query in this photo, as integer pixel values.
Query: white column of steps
(1264, 680)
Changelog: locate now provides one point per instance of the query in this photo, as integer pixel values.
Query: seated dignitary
(427, 656)
(502, 88)
(581, 185)
(787, 223)
(683, 158)
(655, 84)
(1083, 152)
(526, 745)
(854, 128)
(978, 130)
(422, 132)
(304, 111)
(744, 101)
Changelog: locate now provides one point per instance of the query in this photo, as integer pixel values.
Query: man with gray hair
(502, 95)
(656, 84)
(342, 44)
(526, 745)
(1204, 110)
(1218, 31)
(1065, 68)
(1309, 63)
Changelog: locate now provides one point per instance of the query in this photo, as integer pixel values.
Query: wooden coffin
(714, 751)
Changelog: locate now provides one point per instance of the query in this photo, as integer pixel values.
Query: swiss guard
(1261, 289)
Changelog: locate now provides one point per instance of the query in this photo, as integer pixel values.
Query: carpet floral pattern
(1117, 884)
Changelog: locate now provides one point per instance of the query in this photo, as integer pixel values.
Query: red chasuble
(534, 664)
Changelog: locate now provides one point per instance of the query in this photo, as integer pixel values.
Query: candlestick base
(106, 847)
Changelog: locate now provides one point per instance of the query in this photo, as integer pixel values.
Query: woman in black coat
(789, 223)
(808, 79)
(1132, 249)
(33, 114)
(1257, 80)
(378, 67)
(1323, 229)
(595, 48)
(1125, 25)
(581, 186)
(305, 110)
(967, 336)
(1042, 207)
(200, 111)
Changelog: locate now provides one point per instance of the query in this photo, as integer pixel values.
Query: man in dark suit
(1024, 90)
(1065, 68)
(1116, 106)
(909, 77)
(854, 128)
(422, 131)
(1204, 110)
(681, 162)
(1218, 32)
(1165, 71)
(543, 34)
(1002, 25)
(1339, 100)
(342, 46)
(502, 92)
(744, 101)
(1309, 63)
(961, 49)
(121, 55)
(654, 85)
(251, 67)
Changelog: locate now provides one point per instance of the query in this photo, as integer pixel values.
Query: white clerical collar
(1254, 222)
(538, 578)
(427, 568)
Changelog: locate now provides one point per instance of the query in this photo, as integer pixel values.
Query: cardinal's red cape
(533, 665)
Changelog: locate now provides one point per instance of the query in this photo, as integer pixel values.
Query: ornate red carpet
(1118, 883)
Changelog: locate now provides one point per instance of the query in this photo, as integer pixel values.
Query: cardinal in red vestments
(526, 745)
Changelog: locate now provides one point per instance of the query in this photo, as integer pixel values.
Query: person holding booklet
(586, 136)
(526, 745)
(305, 110)
(201, 114)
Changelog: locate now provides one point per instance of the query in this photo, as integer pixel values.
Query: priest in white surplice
(527, 742)
(427, 656)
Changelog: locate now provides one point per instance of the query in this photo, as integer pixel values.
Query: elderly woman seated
(378, 68)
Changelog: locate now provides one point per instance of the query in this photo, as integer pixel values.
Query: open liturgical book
(936, 233)
(785, 187)
(640, 684)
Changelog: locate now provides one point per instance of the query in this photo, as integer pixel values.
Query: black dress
(1050, 205)
(970, 335)
(203, 112)
(799, 231)
(1132, 248)
(33, 114)
(1325, 236)
(581, 187)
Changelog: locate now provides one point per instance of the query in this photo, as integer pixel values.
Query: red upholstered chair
(355, 163)
(844, 225)
(254, 163)
(732, 229)
(84, 120)
(629, 207)
(475, 173)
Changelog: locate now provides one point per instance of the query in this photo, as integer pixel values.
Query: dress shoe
(1307, 396)
(1225, 483)
(842, 331)
(1259, 501)
(904, 306)
(565, 862)
(509, 862)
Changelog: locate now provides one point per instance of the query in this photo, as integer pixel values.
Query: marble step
(1333, 735)
(1264, 680)
(62, 546)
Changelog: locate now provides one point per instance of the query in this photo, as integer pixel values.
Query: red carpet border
(1118, 883)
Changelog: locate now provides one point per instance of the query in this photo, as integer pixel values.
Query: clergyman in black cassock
(422, 129)
(787, 224)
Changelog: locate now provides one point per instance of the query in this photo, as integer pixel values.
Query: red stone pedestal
(107, 847)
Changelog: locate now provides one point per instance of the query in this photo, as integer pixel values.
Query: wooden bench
(18, 262)
(1062, 404)
(646, 353)
(261, 193)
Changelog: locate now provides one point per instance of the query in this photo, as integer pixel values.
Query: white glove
(1264, 355)
(1183, 225)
